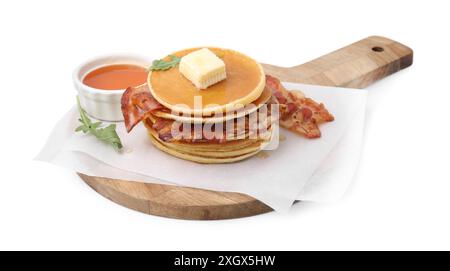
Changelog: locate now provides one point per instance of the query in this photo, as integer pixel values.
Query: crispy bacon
(297, 113)
(164, 128)
(237, 130)
(137, 103)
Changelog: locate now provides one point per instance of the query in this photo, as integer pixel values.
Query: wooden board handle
(357, 65)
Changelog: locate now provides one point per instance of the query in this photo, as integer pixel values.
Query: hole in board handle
(377, 49)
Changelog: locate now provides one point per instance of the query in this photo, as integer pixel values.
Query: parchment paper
(303, 169)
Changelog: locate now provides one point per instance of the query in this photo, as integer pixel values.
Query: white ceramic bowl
(103, 104)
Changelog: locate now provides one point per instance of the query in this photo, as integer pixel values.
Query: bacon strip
(297, 113)
(163, 128)
(137, 103)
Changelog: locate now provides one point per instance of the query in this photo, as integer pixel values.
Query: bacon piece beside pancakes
(297, 113)
(137, 104)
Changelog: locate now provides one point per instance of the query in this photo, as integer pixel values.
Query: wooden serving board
(357, 66)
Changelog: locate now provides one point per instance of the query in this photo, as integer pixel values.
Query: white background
(399, 199)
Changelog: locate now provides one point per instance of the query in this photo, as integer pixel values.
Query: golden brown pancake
(247, 109)
(236, 148)
(244, 83)
(200, 159)
(211, 155)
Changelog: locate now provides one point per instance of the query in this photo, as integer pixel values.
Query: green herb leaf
(162, 65)
(107, 134)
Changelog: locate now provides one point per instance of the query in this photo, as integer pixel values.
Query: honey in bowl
(116, 77)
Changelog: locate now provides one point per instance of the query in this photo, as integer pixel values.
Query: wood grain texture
(357, 65)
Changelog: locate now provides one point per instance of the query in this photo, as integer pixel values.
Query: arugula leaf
(162, 65)
(107, 134)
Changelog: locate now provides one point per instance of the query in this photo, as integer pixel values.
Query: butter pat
(203, 68)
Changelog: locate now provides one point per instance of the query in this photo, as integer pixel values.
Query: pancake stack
(227, 122)
(225, 112)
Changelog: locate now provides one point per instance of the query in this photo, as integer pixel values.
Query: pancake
(244, 84)
(200, 159)
(210, 151)
(205, 152)
(248, 109)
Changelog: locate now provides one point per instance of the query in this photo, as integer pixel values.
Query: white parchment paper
(299, 169)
